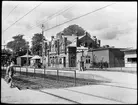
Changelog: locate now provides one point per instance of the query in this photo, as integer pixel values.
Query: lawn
(38, 81)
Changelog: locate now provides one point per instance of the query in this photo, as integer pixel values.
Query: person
(10, 73)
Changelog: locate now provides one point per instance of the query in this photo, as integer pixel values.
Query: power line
(22, 17)
(11, 11)
(54, 15)
(80, 16)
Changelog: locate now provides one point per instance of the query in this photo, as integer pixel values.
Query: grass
(50, 81)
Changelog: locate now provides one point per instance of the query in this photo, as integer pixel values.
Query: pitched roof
(25, 56)
(36, 57)
(70, 38)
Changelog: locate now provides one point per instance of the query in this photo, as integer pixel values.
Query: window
(60, 61)
(88, 59)
(132, 60)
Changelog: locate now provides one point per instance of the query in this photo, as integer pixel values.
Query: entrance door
(72, 60)
(64, 61)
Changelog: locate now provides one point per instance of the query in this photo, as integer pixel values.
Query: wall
(116, 58)
(97, 56)
(79, 54)
(130, 55)
(18, 61)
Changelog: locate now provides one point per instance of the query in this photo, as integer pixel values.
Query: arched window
(60, 61)
(88, 59)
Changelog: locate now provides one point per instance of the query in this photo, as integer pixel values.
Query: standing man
(10, 73)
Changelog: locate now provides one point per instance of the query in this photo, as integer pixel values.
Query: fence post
(75, 76)
(44, 72)
(26, 71)
(20, 70)
(15, 69)
(34, 71)
(6, 67)
(57, 75)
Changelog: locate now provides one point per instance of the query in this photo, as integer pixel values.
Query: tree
(74, 29)
(37, 44)
(6, 55)
(19, 45)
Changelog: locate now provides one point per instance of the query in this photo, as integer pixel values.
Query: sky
(115, 25)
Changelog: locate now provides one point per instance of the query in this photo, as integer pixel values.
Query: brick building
(109, 57)
(64, 50)
(83, 51)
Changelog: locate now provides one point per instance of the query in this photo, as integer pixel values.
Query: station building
(70, 50)
(83, 51)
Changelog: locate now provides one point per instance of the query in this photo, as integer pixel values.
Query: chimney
(99, 43)
(77, 42)
(52, 37)
(58, 47)
(49, 46)
(65, 43)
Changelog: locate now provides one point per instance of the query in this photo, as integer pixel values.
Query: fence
(42, 71)
(127, 67)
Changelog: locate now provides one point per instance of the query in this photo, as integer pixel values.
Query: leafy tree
(74, 29)
(6, 55)
(37, 44)
(19, 45)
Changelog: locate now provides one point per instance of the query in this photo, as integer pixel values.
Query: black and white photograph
(69, 52)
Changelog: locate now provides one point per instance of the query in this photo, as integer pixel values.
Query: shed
(22, 60)
(36, 59)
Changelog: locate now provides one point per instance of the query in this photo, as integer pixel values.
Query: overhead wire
(22, 17)
(11, 11)
(53, 15)
(80, 16)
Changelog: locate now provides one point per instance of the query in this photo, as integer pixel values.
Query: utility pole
(43, 45)
(27, 53)
(27, 58)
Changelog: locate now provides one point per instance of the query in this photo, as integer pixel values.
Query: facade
(22, 60)
(109, 57)
(130, 58)
(64, 50)
(82, 52)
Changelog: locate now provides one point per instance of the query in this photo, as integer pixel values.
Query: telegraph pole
(43, 45)
(27, 53)
(27, 58)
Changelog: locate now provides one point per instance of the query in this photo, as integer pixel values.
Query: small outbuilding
(35, 60)
(22, 60)
(130, 58)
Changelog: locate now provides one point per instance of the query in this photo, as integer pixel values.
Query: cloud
(107, 24)
(114, 32)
